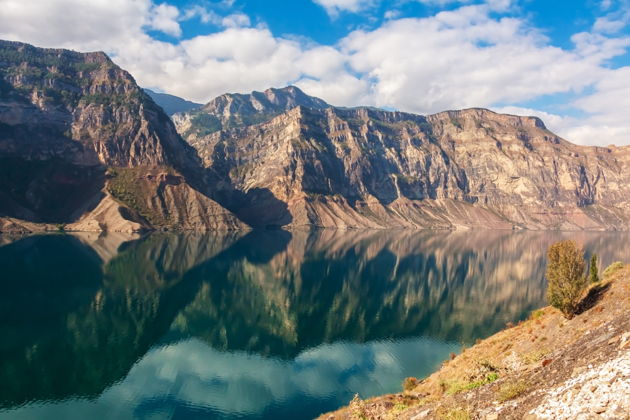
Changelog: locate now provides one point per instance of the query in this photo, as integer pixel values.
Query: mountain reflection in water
(264, 324)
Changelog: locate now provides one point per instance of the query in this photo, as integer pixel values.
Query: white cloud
(204, 15)
(236, 20)
(93, 25)
(392, 14)
(606, 113)
(607, 109)
(462, 59)
(334, 7)
(164, 18)
(441, 2)
(616, 18)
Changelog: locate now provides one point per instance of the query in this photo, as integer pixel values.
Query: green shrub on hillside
(593, 275)
(613, 268)
(512, 390)
(565, 273)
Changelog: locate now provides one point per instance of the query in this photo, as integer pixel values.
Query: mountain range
(83, 147)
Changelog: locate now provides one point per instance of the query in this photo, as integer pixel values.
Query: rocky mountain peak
(232, 110)
(80, 139)
(483, 114)
(292, 96)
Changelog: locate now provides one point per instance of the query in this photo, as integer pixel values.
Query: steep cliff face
(362, 167)
(66, 117)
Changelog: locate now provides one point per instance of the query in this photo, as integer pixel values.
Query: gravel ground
(602, 392)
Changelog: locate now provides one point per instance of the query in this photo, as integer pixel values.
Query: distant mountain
(283, 158)
(81, 144)
(233, 110)
(171, 104)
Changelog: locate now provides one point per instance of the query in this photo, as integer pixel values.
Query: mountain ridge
(365, 167)
(66, 119)
(83, 145)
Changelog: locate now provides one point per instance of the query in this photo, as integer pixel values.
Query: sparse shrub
(487, 373)
(537, 314)
(512, 390)
(400, 407)
(410, 383)
(612, 268)
(357, 408)
(593, 272)
(565, 273)
(535, 356)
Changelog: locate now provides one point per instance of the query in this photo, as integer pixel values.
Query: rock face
(65, 118)
(237, 110)
(82, 145)
(303, 163)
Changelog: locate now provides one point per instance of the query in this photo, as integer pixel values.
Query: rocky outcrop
(65, 118)
(238, 110)
(362, 167)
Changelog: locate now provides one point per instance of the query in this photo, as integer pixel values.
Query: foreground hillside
(544, 368)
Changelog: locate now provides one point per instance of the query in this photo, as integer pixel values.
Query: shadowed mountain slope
(81, 143)
(171, 104)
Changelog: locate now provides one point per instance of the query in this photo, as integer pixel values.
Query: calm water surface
(259, 325)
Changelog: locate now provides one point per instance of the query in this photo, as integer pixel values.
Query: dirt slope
(544, 368)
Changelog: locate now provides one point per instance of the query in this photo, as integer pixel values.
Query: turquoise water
(258, 325)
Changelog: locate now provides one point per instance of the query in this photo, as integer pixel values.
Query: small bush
(537, 314)
(593, 272)
(613, 268)
(565, 273)
(457, 386)
(358, 409)
(400, 407)
(512, 390)
(535, 356)
(409, 383)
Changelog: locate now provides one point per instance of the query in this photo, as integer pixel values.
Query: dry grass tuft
(512, 390)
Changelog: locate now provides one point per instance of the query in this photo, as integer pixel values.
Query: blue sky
(565, 61)
(559, 19)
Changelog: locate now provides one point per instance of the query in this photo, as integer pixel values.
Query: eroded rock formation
(364, 167)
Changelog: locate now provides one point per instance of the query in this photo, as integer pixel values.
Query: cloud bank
(474, 55)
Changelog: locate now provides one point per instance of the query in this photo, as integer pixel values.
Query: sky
(567, 62)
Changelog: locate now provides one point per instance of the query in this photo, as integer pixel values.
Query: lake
(252, 325)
